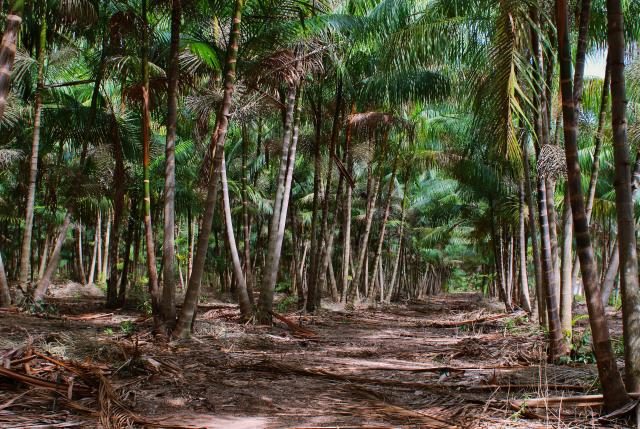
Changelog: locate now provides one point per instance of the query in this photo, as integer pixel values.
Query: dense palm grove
(358, 151)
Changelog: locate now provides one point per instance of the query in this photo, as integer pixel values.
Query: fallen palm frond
(458, 323)
(394, 411)
(79, 387)
(272, 366)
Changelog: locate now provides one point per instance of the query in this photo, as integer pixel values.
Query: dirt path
(425, 365)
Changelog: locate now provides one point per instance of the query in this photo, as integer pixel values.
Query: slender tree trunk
(383, 227)
(566, 285)
(112, 240)
(533, 231)
(595, 167)
(152, 270)
(624, 201)
(327, 248)
(187, 312)
(45, 255)
(83, 278)
(5, 295)
(189, 243)
(243, 296)
(8, 51)
(552, 218)
(94, 253)
(346, 228)
(43, 284)
(614, 392)
(611, 273)
(105, 250)
(364, 243)
(496, 238)
(581, 52)
(99, 240)
(396, 264)
(133, 220)
(168, 306)
(25, 253)
(524, 278)
(276, 229)
(557, 346)
(315, 236)
(335, 128)
(246, 229)
(335, 295)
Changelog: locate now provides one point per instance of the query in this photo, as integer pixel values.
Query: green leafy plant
(127, 327)
(286, 304)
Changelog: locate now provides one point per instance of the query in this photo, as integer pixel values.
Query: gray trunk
(45, 281)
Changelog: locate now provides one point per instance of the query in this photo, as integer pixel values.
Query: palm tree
(185, 319)
(624, 202)
(614, 392)
(281, 200)
(168, 247)
(25, 252)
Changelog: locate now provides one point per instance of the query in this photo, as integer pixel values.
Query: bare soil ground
(453, 361)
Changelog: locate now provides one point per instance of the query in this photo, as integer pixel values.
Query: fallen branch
(88, 316)
(554, 401)
(294, 327)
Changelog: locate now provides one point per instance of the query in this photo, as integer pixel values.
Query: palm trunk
(43, 284)
(557, 346)
(5, 295)
(611, 272)
(346, 228)
(396, 264)
(614, 392)
(83, 278)
(243, 296)
(187, 312)
(524, 279)
(124, 278)
(315, 302)
(189, 243)
(595, 167)
(383, 227)
(276, 229)
(94, 253)
(315, 236)
(496, 238)
(99, 244)
(624, 201)
(552, 218)
(152, 270)
(105, 250)
(246, 229)
(45, 255)
(327, 248)
(533, 231)
(566, 285)
(364, 243)
(25, 253)
(8, 51)
(168, 308)
(112, 240)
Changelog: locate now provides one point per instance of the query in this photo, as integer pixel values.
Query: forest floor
(452, 361)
